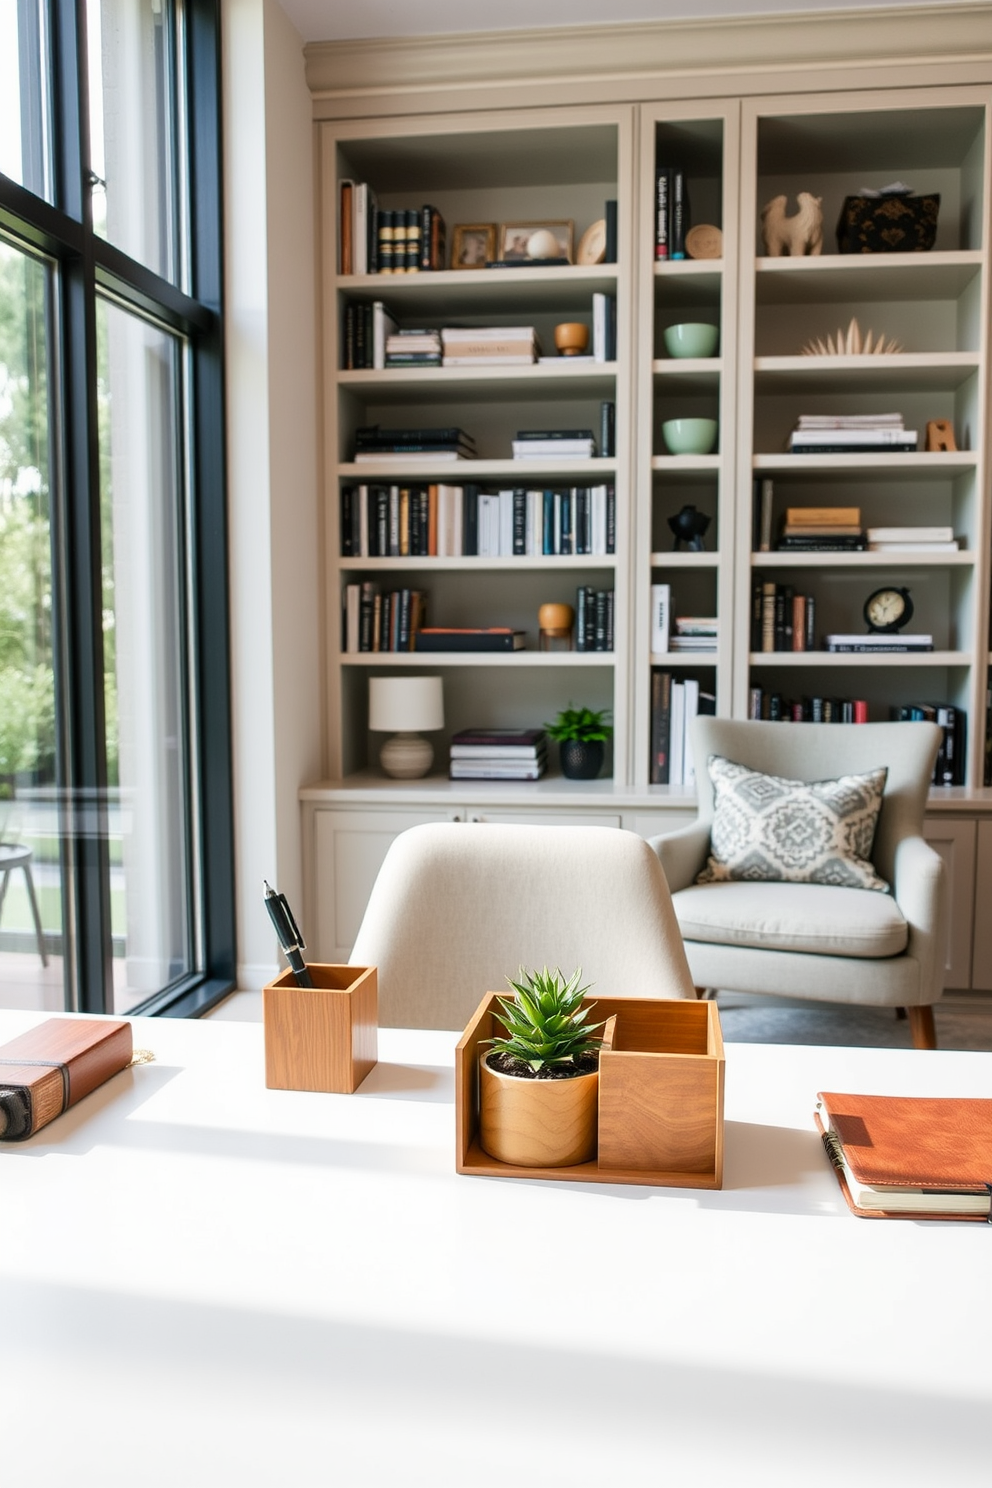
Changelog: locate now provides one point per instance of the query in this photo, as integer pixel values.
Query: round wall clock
(887, 610)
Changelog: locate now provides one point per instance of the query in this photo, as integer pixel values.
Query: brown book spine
(799, 622)
(768, 617)
(345, 253)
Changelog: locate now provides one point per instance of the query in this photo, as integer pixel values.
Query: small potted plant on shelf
(538, 1083)
(581, 734)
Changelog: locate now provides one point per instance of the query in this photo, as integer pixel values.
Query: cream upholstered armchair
(829, 942)
(458, 907)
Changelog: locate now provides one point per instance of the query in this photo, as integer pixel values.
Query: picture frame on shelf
(515, 238)
(473, 245)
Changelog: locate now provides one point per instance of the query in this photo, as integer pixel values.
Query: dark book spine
(607, 430)
(519, 522)
(365, 616)
(663, 181)
(610, 610)
(661, 696)
(548, 524)
(349, 501)
(583, 520)
(611, 231)
(757, 601)
(470, 520)
(412, 241)
(581, 603)
(810, 622)
(679, 216)
(385, 248)
(381, 546)
(788, 596)
(611, 519)
(599, 600)
(565, 541)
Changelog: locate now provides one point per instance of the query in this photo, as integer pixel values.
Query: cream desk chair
(822, 940)
(458, 907)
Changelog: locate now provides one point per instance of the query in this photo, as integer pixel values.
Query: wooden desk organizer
(322, 1037)
(660, 1097)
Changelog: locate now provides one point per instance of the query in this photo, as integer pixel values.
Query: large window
(116, 859)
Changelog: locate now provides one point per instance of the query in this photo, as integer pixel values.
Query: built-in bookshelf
(731, 157)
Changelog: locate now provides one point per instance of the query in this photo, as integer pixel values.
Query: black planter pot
(581, 761)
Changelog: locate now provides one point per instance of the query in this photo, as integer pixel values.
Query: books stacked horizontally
(911, 540)
(851, 434)
(375, 445)
(878, 642)
(822, 529)
(489, 346)
(498, 754)
(470, 638)
(674, 704)
(695, 633)
(554, 444)
(413, 348)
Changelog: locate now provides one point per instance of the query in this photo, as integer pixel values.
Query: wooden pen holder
(322, 1037)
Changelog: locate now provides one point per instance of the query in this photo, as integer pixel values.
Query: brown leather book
(910, 1157)
(48, 1069)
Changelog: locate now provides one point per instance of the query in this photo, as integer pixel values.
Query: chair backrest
(817, 751)
(457, 908)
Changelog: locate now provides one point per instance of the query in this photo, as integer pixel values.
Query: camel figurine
(793, 236)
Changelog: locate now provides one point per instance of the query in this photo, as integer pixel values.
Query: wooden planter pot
(660, 1098)
(537, 1123)
(322, 1037)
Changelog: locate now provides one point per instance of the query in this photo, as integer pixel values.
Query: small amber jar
(555, 622)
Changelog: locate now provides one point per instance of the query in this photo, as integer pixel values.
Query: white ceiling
(335, 20)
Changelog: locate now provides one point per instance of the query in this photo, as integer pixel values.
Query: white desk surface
(206, 1283)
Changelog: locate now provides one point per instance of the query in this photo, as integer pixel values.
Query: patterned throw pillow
(793, 831)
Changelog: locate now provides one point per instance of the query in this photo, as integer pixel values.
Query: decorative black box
(888, 224)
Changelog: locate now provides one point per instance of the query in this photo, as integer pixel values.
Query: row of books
(781, 619)
(859, 434)
(671, 213)
(773, 707)
(374, 240)
(674, 704)
(692, 633)
(374, 621)
(950, 766)
(498, 754)
(442, 520)
(594, 618)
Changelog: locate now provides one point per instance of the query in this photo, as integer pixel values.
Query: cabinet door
(981, 966)
(955, 841)
(348, 850)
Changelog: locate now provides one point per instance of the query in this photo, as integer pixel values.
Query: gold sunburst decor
(852, 343)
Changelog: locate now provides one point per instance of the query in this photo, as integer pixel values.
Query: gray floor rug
(958, 1026)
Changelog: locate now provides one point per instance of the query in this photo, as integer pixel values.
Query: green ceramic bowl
(694, 339)
(690, 436)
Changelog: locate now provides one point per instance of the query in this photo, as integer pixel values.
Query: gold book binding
(48, 1069)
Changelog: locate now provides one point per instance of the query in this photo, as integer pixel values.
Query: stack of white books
(554, 444)
(912, 540)
(695, 633)
(500, 346)
(857, 433)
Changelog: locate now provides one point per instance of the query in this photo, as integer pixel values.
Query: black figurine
(689, 526)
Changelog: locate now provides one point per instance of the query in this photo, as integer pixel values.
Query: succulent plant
(545, 1020)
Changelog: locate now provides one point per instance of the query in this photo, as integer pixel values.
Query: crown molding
(458, 64)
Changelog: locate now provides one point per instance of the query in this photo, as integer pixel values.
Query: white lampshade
(405, 704)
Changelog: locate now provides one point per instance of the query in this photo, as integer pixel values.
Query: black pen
(288, 934)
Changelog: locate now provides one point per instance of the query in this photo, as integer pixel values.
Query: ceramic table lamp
(403, 706)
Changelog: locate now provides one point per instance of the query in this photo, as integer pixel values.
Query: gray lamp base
(407, 756)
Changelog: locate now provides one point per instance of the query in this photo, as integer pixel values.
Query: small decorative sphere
(543, 244)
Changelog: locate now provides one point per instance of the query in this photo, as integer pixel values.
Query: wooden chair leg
(921, 1026)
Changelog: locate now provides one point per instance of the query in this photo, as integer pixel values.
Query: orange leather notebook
(910, 1157)
(48, 1069)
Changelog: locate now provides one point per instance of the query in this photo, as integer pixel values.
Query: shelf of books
(686, 362)
(478, 317)
(863, 520)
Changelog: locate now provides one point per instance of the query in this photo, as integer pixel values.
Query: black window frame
(87, 265)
